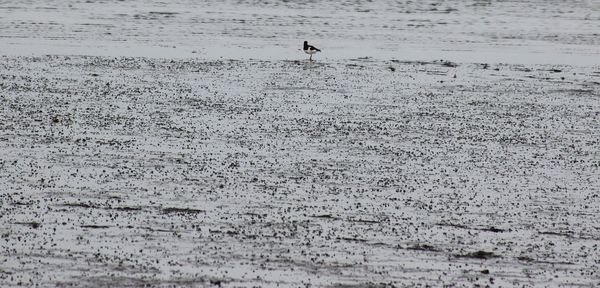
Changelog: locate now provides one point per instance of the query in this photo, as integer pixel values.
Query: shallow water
(518, 32)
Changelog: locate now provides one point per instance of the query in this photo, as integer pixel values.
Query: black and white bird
(309, 49)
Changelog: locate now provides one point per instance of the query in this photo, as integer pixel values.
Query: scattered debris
(478, 255)
(182, 210)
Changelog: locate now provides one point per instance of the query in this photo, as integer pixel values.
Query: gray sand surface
(148, 143)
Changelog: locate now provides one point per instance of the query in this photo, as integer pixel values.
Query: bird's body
(309, 49)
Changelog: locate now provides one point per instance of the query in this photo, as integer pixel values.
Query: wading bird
(308, 49)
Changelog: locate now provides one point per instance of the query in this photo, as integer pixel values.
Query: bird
(309, 49)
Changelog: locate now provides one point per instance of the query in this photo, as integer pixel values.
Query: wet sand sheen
(514, 32)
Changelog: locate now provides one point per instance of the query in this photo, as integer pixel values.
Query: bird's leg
(310, 58)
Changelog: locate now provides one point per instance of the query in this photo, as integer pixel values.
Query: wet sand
(449, 143)
(133, 171)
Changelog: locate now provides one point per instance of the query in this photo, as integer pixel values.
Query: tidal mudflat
(191, 143)
(137, 171)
